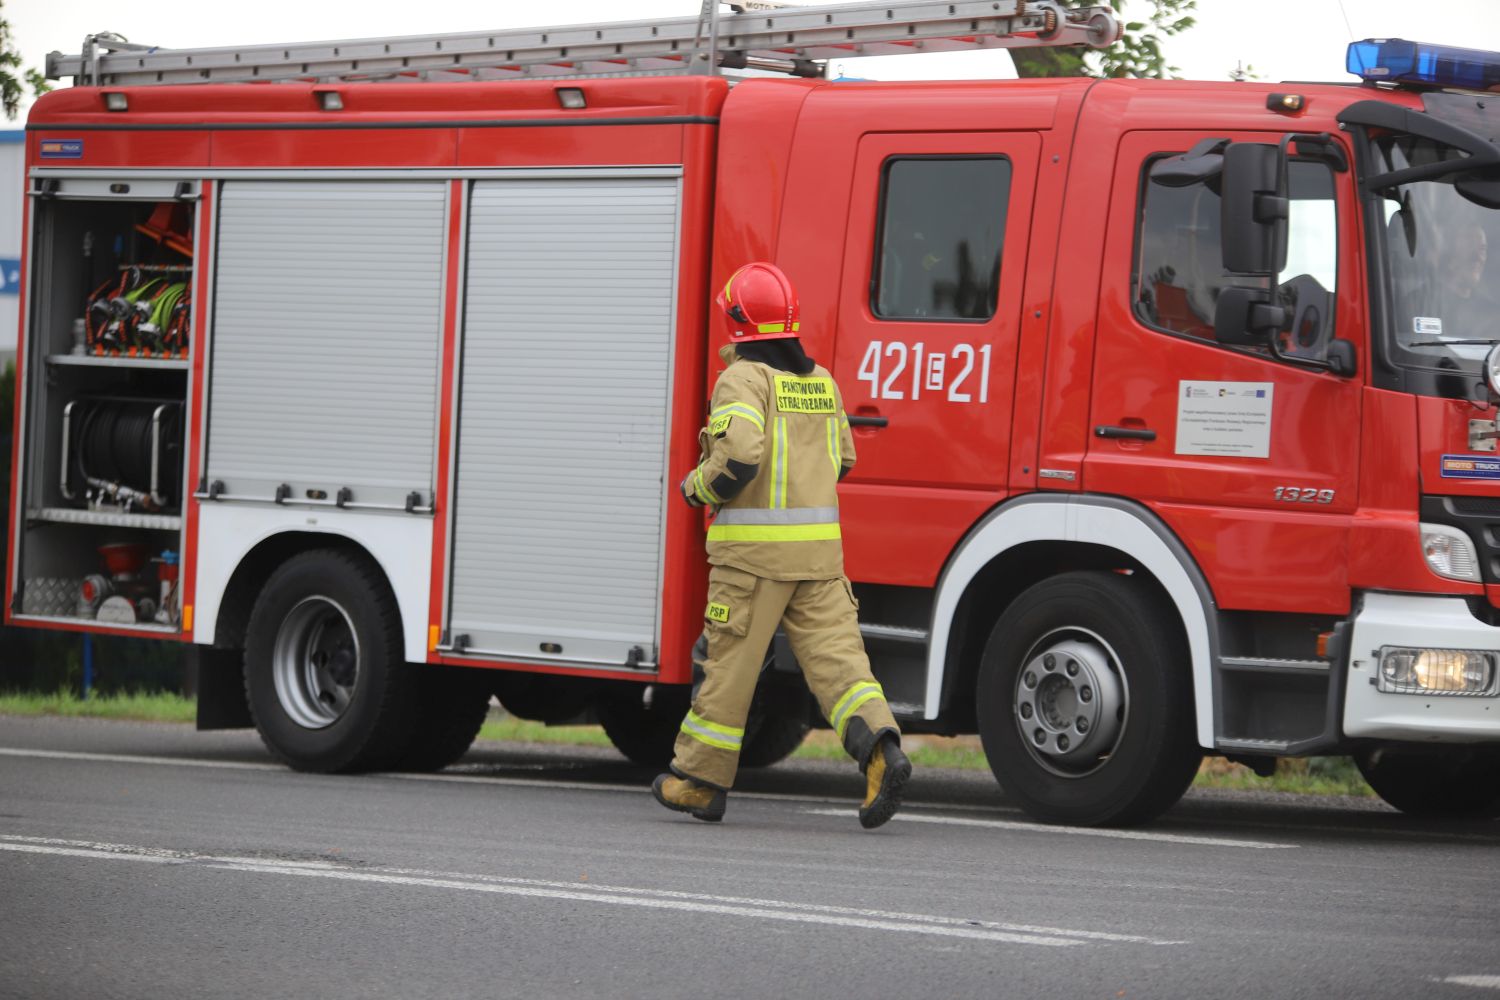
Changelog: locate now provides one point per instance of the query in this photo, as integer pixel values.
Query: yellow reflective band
(833, 446)
(804, 394)
(745, 410)
(701, 488)
(776, 328)
(843, 709)
(715, 735)
(773, 532)
(716, 612)
(778, 464)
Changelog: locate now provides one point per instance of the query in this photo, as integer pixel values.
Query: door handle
(1131, 433)
(859, 421)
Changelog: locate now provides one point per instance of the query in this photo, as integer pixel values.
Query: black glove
(688, 493)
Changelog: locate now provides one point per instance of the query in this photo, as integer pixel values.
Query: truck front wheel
(325, 674)
(1085, 709)
(1457, 783)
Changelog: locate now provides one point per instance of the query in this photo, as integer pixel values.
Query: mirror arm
(1323, 147)
(1316, 364)
(1409, 121)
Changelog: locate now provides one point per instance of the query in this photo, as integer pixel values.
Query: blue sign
(61, 149)
(10, 276)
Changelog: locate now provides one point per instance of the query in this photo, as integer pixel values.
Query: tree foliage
(13, 78)
(1137, 54)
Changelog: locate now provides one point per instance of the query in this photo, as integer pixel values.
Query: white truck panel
(401, 543)
(1422, 621)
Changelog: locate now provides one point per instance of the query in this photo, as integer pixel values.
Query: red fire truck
(367, 369)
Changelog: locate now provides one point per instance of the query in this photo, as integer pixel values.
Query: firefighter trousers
(822, 624)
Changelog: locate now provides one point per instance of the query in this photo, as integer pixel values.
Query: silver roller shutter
(563, 418)
(326, 337)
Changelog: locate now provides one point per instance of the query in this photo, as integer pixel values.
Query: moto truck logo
(1470, 467)
(61, 149)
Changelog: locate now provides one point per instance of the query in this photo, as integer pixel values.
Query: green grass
(1312, 776)
(1305, 776)
(509, 728)
(163, 707)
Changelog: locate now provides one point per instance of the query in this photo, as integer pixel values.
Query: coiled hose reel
(123, 453)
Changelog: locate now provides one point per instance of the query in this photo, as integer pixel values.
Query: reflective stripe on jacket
(775, 447)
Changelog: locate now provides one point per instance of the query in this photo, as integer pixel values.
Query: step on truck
(366, 370)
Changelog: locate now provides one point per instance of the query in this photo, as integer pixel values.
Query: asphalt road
(152, 861)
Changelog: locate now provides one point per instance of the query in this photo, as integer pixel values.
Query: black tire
(541, 697)
(450, 706)
(1461, 783)
(771, 738)
(1104, 646)
(330, 613)
(645, 735)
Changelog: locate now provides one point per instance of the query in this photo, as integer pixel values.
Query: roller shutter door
(563, 418)
(327, 316)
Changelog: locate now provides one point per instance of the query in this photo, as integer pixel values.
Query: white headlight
(1449, 552)
(1492, 369)
(1436, 671)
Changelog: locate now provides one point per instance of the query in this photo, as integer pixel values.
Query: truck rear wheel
(645, 734)
(772, 738)
(325, 673)
(1459, 783)
(1084, 708)
(450, 707)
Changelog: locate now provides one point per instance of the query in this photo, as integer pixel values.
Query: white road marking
(125, 758)
(1484, 982)
(762, 909)
(577, 786)
(911, 809)
(1075, 831)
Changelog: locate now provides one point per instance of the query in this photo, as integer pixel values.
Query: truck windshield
(1444, 292)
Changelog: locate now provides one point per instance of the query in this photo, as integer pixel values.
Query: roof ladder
(763, 35)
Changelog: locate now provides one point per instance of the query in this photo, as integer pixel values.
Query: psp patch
(1470, 467)
(720, 425)
(805, 395)
(60, 149)
(717, 613)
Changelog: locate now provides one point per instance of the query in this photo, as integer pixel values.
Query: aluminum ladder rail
(784, 39)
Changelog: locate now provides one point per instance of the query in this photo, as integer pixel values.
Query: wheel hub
(1069, 703)
(315, 662)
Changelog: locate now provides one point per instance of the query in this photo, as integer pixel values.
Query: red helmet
(759, 303)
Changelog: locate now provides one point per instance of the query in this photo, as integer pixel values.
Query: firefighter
(776, 445)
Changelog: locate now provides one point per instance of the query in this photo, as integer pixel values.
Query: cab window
(1179, 268)
(942, 226)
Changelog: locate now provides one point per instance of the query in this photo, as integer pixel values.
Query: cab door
(1252, 460)
(929, 307)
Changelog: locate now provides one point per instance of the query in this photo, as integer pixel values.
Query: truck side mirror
(1254, 208)
(1244, 317)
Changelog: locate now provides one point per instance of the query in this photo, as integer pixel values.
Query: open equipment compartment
(106, 381)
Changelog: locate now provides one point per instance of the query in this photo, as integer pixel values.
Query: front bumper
(1416, 620)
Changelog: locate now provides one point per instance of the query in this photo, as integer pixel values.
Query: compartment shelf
(149, 628)
(112, 519)
(98, 361)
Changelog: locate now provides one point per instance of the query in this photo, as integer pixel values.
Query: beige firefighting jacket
(775, 447)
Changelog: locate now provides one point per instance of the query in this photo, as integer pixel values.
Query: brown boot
(686, 795)
(885, 780)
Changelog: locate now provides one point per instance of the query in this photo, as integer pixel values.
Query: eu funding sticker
(1224, 418)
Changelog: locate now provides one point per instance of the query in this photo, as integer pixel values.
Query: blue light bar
(1395, 60)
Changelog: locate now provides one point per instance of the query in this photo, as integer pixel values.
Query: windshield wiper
(1449, 343)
